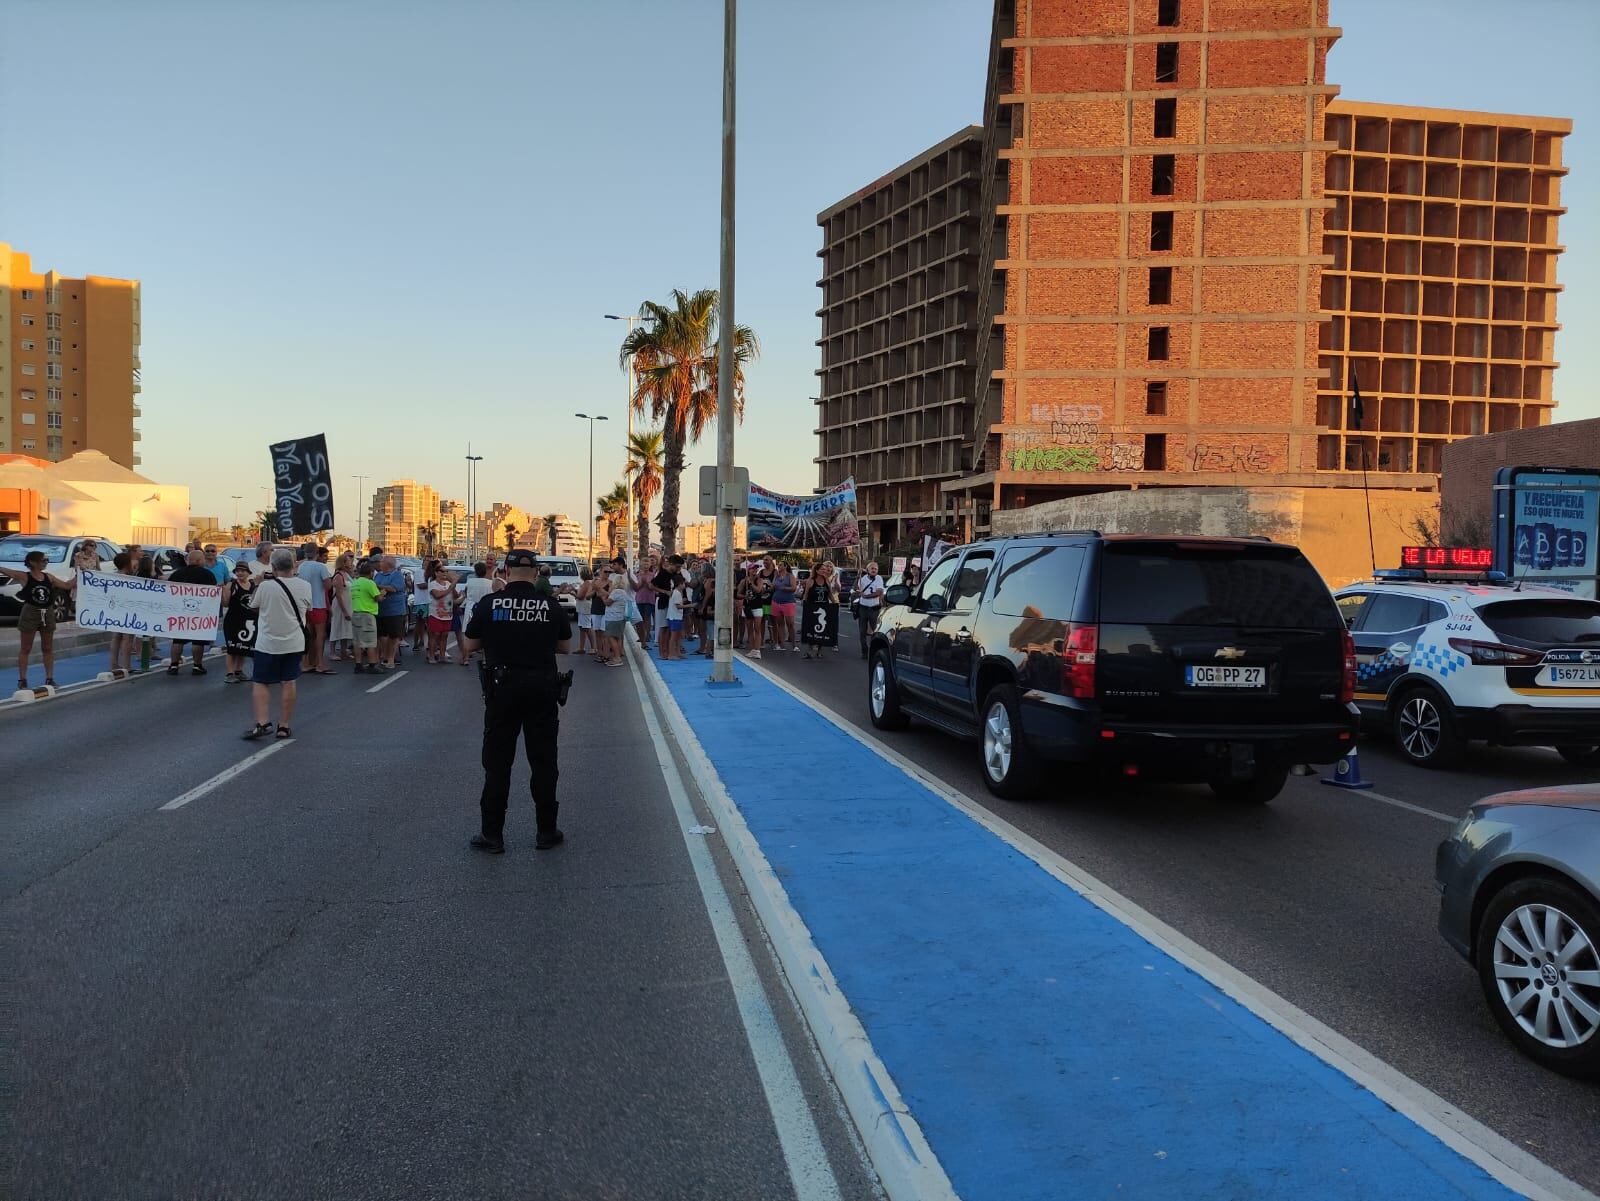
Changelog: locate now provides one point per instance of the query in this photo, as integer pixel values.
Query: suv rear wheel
(1266, 783)
(1424, 728)
(883, 698)
(1538, 958)
(1010, 766)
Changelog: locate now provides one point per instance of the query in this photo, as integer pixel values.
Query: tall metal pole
(361, 508)
(722, 665)
(469, 503)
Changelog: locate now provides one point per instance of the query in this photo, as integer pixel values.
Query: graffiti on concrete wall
(1211, 457)
(1054, 456)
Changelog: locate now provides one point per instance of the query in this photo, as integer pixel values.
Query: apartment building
(399, 514)
(570, 537)
(899, 264)
(69, 363)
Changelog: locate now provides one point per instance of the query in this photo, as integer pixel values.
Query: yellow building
(398, 515)
(69, 363)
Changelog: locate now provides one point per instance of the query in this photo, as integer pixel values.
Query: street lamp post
(472, 488)
(722, 665)
(236, 501)
(628, 449)
(361, 505)
(591, 421)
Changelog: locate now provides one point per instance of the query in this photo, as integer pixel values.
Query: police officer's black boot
(548, 835)
(493, 846)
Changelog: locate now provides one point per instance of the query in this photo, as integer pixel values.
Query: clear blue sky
(400, 222)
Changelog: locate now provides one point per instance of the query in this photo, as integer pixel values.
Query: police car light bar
(1447, 558)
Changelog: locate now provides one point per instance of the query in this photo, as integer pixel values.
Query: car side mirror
(897, 595)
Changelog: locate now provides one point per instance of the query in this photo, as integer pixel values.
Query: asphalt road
(1324, 896)
(304, 984)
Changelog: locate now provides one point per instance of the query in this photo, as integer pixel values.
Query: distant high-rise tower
(399, 513)
(69, 363)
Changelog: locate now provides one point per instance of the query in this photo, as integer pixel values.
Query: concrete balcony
(137, 436)
(137, 411)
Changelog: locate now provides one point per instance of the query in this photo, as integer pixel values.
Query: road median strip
(1049, 1037)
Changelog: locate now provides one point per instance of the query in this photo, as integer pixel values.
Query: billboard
(1546, 521)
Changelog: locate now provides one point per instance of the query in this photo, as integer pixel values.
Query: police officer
(521, 631)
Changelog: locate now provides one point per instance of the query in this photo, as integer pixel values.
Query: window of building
(52, 421)
(52, 295)
(1160, 335)
(27, 319)
(53, 395)
(28, 444)
(1155, 452)
(52, 320)
(29, 369)
(1161, 285)
(27, 344)
(1167, 62)
(53, 370)
(53, 345)
(1155, 398)
(29, 394)
(1161, 230)
(30, 419)
(52, 445)
(1167, 12)
(27, 293)
(1166, 125)
(1162, 169)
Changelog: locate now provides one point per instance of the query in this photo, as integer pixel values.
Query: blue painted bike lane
(1046, 1049)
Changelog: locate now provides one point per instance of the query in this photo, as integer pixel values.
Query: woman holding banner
(819, 613)
(37, 614)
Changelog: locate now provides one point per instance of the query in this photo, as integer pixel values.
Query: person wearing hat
(520, 630)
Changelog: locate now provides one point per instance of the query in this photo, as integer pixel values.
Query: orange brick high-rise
(1158, 182)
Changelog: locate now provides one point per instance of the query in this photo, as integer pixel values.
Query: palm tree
(550, 528)
(675, 361)
(429, 533)
(613, 508)
(644, 460)
(511, 537)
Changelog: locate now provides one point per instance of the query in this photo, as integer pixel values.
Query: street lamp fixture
(591, 421)
(472, 512)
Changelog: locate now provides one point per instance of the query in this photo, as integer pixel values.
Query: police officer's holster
(519, 701)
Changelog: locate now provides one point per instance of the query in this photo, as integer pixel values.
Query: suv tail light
(1077, 660)
(1493, 654)
(1347, 682)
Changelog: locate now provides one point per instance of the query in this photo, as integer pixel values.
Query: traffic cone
(1347, 772)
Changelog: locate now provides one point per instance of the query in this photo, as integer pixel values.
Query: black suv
(1219, 659)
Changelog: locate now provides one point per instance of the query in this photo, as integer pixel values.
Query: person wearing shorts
(364, 618)
(392, 610)
(38, 613)
(783, 623)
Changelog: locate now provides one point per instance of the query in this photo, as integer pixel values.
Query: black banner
(819, 624)
(304, 503)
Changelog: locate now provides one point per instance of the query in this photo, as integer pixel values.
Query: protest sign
(304, 482)
(129, 604)
(933, 551)
(776, 520)
(819, 623)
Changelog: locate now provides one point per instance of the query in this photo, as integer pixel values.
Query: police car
(1440, 662)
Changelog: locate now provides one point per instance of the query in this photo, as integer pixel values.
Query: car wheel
(61, 604)
(883, 697)
(1538, 957)
(1583, 756)
(1010, 766)
(1263, 786)
(1424, 729)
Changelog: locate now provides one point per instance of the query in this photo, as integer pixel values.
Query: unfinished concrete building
(1441, 290)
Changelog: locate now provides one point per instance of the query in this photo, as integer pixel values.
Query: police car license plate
(1198, 675)
(1575, 675)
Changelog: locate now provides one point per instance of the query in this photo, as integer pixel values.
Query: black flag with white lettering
(304, 502)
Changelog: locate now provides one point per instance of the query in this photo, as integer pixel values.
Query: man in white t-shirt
(282, 601)
(259, 565)
(478, 586)
(869, 603)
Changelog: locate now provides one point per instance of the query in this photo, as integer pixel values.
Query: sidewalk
(1044, 1047)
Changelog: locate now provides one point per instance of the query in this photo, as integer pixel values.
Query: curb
(906, 1165)
(22, 699)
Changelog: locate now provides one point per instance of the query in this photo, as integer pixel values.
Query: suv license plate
(1198, 675)
(1559, 675)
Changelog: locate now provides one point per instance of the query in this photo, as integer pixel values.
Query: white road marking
(384, 684)
(1399, 804)
(803, 1152)
(1496, 1155)
(222, 777)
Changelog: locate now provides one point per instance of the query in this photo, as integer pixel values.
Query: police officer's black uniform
(519, 628)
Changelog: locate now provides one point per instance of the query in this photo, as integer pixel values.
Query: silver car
(1520, 883)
